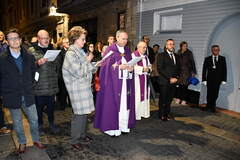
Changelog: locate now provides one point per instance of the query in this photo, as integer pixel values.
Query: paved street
(194, 135)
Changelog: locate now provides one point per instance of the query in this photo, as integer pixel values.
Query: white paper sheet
(51, 54)
(106, 56)
(134, 61)
(36, 77)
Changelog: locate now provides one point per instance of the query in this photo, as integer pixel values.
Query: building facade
(100, 17)
(28, 16)
(201, 23)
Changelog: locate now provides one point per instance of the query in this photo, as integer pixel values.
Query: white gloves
(205, 82)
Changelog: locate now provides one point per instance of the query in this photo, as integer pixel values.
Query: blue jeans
(32, 117)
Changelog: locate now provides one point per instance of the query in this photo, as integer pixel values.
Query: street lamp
(53, 12)
(62, 25)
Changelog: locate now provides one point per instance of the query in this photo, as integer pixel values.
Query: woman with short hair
(187, 70)
(77, 74)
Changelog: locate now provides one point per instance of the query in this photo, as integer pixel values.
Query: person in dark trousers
(62, 96)
(213, 75)
(168, 69)
(187, 70)
(46, 85)
(17, 70)
(77, 73)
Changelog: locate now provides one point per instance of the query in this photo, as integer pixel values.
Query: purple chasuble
(109, 96)
(141, 77)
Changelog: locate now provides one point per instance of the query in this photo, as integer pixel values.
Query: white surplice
(124, 112)
(142, 108)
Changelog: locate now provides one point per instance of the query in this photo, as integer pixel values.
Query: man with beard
(168, 69)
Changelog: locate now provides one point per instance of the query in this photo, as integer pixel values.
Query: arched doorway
(227, 35)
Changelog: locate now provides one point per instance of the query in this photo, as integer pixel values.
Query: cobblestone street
(194, 135)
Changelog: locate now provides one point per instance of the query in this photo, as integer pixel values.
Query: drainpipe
(140, 19)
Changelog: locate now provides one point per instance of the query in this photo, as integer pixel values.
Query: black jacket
(166, 68)
(187, 66)
(151, 55)
(214, 75)
(13, 84)
(47, 85)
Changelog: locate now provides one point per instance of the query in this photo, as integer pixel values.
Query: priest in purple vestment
(115, 106)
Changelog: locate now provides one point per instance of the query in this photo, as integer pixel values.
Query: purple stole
(141, 77)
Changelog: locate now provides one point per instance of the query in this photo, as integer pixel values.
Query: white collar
(169, 52)
(120, 49)
(42, 46)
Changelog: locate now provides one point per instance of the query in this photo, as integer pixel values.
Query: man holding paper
(142, 89)
(115, 107)
(46, 78)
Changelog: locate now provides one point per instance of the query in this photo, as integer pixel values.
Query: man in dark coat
(213, 75)
(62, 95)
(168, 69)
(17, 70)
(46, 86)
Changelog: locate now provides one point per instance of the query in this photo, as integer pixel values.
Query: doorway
(227, 35)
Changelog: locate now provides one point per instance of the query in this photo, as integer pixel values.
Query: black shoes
(39, 145)
(167, 117)
(164, 118)
(170, 117)
(21, 149)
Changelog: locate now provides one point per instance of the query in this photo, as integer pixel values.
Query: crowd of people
(110, 79)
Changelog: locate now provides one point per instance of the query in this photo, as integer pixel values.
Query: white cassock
(142, 108)
(124, 112)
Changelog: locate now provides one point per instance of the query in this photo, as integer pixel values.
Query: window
(121, 20)
(171, 23)
(167, 21)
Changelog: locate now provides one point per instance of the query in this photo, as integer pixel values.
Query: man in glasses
(17, 70)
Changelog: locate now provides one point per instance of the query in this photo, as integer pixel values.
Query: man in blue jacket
(17, 70)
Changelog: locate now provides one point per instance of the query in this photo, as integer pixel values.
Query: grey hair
(140, 42)
(119, 32)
